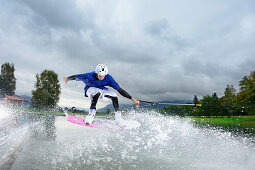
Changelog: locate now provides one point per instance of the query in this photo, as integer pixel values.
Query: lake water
(29, 141)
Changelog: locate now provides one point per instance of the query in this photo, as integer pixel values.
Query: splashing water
(12, 133)
(160, 143)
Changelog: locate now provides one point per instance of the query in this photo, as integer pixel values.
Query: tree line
(47, 87)
(47, 91)
(231, 104)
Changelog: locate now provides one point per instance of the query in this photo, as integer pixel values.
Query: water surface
(160, 143)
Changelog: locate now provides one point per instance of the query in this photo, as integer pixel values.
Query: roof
(16, 98)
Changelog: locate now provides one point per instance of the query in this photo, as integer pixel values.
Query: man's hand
(65, 79)
(137, 102)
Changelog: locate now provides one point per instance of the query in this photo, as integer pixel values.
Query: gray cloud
(58, 14)
(167, 50)
(162, 29)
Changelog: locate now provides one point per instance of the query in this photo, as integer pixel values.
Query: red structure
(13, 100)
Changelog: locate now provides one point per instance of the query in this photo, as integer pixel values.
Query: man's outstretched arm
(125, 94)
(66, 79)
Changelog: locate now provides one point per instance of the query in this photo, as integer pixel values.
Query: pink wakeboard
(81, 121)
(103, 123)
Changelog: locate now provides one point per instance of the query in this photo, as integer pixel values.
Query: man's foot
(89, 119)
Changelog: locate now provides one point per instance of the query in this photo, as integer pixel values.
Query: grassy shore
(235, 122)
(39, 111)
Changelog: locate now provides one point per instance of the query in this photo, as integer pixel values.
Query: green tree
(195, 100)
(7, 79)
(46, 94)
(229, 97)
(246, 96)
(206, 107)
(216, 109)
(229, 100)
(196, 111)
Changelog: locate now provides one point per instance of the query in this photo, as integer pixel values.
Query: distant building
(13, 100)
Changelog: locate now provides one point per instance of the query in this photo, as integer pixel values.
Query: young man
(95, 88)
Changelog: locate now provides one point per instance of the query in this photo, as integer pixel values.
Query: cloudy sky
(156, 50)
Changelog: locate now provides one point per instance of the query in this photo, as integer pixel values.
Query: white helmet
(101, 69)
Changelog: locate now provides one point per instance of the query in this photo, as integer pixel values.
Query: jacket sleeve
(71, 77)
(124, 93)
(113, 83)
(78, 77)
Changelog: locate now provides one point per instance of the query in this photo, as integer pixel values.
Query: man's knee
(114, 101)
(97, 95)
(94, 100)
